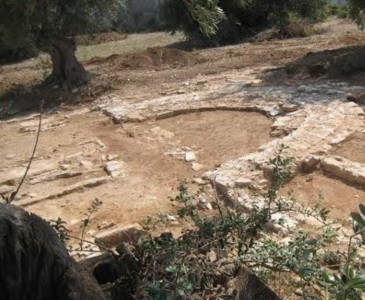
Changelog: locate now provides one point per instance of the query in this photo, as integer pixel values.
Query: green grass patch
(133, 43)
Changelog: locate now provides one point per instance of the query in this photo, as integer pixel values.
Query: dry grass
(133, 43)
(32, 71)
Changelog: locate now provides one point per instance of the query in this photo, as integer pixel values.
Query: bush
(357, 12)
(220, 21)
(340, 11)
(194, 266)
(205, 260)
(10, 54)
(293, 29)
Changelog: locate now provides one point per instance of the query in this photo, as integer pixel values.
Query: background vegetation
(220, 21)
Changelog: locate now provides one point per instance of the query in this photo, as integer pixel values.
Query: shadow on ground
(346, 63)
(24, 100)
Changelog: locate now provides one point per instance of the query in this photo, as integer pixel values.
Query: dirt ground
(150, 150)
(104, 37)
(339, 196)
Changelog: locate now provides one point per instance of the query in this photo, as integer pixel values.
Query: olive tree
(50, 26)
(226, 21)
(357, 11)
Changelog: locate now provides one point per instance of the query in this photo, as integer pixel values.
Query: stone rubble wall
(310, 119)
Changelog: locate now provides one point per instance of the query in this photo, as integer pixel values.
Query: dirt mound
(104, 37)
(340, 62)
(154, 57)
(111, 59)
(348, 39)
(159, 57)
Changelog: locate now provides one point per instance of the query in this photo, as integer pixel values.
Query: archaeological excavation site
(233, 172)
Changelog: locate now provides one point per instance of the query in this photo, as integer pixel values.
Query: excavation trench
(337, 191)
(152, 156)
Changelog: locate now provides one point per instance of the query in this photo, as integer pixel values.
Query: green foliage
(194, 265)
(95, 205)
(179, 267)
(190, 15)
(64, 234)
(201, 262)
(347, 284)
(280, 171)
(152, 222)
(227, 21)
(34, 24)
(340, 11)
(60, 227)
(357, 12)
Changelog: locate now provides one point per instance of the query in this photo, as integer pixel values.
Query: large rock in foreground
(35, 264)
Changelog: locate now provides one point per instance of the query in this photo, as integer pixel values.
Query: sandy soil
(151, 174)
(339, 196)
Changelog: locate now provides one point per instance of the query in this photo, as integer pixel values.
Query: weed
(85, 222)
(340, 11)
(195, 264)
(202, 262)
(62, 231)
(64, 234)
(153, 222)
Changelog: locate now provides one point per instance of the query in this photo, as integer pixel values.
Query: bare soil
(339, 196)
(104, 37)
(353, 148)
(151, 175)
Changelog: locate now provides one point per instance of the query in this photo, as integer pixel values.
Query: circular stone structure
(224, 133)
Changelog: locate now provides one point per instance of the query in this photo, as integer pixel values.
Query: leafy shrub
(9, 54)
(201, 263)
(219, 21)
(340, 11)
(195, 264)
(357, 12)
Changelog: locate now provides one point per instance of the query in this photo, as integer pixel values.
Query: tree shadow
(192, 44)
(21, 101)
(345, 64)
(24, 100)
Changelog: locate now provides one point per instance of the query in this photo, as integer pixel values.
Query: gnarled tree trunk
(35, 264)
(66, 69)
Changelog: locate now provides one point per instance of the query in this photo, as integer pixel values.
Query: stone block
(190, 156)
(345, 169)
(116, 236)
(310, 163)
(242, 182)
